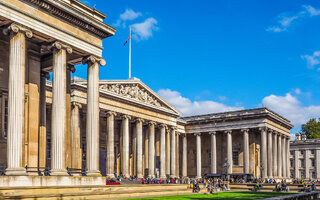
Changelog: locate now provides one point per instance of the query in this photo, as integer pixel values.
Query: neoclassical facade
(81, 131)
(305, 158)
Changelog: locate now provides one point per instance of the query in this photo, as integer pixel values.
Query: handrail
(82, 171)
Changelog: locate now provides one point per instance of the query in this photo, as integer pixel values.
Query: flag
(127, 41)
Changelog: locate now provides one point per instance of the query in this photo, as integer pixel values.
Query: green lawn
(222, 196)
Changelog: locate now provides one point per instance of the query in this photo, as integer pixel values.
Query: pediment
(135, 91)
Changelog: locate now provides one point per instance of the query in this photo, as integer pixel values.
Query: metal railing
(42, 171)
(72, 171)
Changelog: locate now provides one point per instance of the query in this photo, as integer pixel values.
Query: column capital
(197, 134)
(245, 130)
(183, 134)
(212, 132)
(152, 123)
(93, 59)
(73, 104)
(178, 133)
(109, 113)
(139, 120)
(173, 128)
(57, 45)
(264, 128)
(126, 117)
(15, 28)
(228, 131)
(269, 130)
(163, 126)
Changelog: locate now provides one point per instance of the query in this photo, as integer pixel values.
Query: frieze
(133, 91)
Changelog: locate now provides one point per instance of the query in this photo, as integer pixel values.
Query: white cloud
(285, 21)
(128, 15)
(312, 60)
(297, 91)
(291, 108)
(188, 107)
(311, 10)
(144, 30)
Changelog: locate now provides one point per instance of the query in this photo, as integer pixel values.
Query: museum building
(79, 131)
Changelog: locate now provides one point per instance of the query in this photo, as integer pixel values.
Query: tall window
(302, 163)
(312, 151)
(291, 163)
(313, 175)
(292, 153)
(235, 158)
(313, 163)
(301, 152)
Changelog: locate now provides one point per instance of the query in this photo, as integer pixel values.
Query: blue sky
(219, 55)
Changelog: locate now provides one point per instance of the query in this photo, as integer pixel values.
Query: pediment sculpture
(132, 91)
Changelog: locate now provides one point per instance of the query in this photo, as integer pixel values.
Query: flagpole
(130, 54)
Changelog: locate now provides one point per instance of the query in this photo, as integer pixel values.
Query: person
(142, 181)
(225, 187)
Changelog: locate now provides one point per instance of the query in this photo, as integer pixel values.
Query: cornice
(73, 16)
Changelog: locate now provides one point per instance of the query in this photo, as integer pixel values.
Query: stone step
(102, 195)
(93, 192)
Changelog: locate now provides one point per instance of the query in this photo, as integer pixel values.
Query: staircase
(93, 192)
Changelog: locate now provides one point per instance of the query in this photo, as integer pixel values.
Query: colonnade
(16, 98)
(274, 156)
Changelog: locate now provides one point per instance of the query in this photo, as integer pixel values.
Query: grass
(222, 196)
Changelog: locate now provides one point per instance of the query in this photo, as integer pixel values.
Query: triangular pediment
(134, 90)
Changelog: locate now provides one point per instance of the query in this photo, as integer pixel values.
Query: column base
(93, 173)
(140, 176)
(16, 171)
(172, 176)
(59, 173)
(198, 177)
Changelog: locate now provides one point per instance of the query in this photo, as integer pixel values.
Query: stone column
(198, 140)
(269, 155)
(229, 151)
(307, 163)
(42, 146)
(177, 155)
(168, 143)
(279, 156)
(75, 136)
(58, 127)
(288, 156)
(163, 151)
(17, 64)
(317, 157)
(274, 155)
(245, 150)
(92, 126)
(139, 147)
(263, 150)
(184, 156)
(173, 153)
(125, 146)
(110, 144)
(296, 164)
(284, 159)
(151, 149)
(213, 153)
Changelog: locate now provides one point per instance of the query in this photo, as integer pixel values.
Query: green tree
(311, 128)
